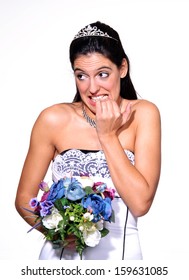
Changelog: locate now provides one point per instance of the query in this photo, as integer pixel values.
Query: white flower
(81, 228)
(85, 181)
(51, 221)
(92, 238)
(88, 216)
(72, 218)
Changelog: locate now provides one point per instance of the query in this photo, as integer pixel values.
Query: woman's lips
(94, 99)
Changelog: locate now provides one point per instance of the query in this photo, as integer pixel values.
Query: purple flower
(57, 191)
(33, 202)
(44, 196)
(109, 193)
(46, 208)
(74, 190)
(99, 186)
(44, 186)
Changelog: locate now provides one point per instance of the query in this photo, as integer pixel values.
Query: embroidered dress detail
(78, 162)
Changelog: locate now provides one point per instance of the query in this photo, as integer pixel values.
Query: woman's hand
(110, 117)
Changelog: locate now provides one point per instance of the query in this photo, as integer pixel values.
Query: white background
(35, 73)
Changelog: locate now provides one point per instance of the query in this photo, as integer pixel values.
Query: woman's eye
(103, 74)
(80, 76)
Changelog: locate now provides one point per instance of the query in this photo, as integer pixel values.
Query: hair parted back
(108, 45)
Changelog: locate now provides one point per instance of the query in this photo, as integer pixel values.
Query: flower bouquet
(74, 206)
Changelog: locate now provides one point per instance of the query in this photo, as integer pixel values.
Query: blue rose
(74, 190)
(57, 191)
(67, 181)
(107, 209)
(94, 203)
(98, 206)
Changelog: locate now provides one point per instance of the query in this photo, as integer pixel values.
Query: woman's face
(98, 78)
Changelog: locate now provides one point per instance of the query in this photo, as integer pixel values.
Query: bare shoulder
(57, 114)
(144, 108)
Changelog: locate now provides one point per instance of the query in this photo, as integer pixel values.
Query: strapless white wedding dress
(122, 241)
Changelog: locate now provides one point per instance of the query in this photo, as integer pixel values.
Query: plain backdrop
(35, 73)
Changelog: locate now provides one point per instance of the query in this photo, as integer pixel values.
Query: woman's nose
(94, 86)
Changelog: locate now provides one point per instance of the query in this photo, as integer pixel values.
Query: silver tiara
(92, 31)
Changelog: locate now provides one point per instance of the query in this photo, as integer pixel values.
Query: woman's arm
(136, 184)
(40, 153)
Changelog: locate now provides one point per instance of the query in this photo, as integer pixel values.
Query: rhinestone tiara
(92, 31)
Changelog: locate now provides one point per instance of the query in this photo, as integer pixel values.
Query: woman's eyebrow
(102, 67)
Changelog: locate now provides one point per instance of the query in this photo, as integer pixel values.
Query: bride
(106, 132)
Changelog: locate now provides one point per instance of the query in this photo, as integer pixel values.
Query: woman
(107, 132)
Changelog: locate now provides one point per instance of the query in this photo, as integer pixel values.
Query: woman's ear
(123, 68)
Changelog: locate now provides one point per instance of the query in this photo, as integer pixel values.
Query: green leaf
(104, 232)
(80, 246)
(50, 234)
(64, 201)
(58, 204)
(63, 223)
(88, 190)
